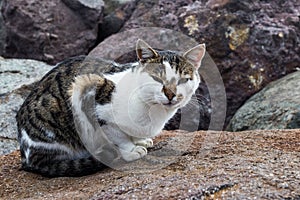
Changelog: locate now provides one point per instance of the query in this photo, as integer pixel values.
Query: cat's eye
(183, 80)
(157, 79)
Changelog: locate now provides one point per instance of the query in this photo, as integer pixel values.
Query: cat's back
(46, 111)
(46, 130)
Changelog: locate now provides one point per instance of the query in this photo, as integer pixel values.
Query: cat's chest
(134, 118)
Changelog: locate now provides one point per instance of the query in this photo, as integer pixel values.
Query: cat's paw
(145, 142)
(137, 153)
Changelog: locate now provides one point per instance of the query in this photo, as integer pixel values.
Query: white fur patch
(116, 77)
(27, 154)
(170, 72)
(76, 101)
(51, 146)
(132, 108)
(49, 134)
(91, 136)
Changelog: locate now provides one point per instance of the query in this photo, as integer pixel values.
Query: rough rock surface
(252, 42)
(49, 30)
(116, 13)
(2, 33)
(240, 165)
(277, 106)
(16, 79)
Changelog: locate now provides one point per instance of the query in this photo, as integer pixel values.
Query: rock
(251, 42)
(2, 33)
(198, 114)
(49, 30)
(8, 145)
(89, 10)
(16, 79)
(16, 72)
(116, 14)
(277, 106)
(240, 165)
(112, 6)
(121, 46)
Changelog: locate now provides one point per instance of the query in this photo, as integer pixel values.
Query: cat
(131, 103)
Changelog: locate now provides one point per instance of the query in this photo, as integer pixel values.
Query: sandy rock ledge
(216, 165)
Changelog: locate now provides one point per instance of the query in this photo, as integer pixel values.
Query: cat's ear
(195, 55)
(144, 51)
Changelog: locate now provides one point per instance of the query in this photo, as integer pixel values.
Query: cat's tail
(66, 168)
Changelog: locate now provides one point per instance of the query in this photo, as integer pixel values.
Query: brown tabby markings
(184, 68)
(181, 65)
(46, 116)
(49, 142)
(50, 102)
(104, 87)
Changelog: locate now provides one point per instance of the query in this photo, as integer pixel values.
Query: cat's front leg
(134, 154)
(129, 149)
(138, 151)
(145, 142)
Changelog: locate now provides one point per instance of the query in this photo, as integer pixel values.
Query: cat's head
(168, 78)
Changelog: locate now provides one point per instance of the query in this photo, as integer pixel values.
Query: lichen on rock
(277, 106)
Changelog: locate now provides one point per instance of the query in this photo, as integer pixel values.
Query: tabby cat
(132, 103)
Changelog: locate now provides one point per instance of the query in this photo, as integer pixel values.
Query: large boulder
(277, 106)
(252, 42)
(49, 30)
(17, 76)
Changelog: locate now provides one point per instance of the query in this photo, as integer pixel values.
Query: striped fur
(49, 143)
(131, 104)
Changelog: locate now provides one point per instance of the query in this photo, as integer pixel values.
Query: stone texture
(116, 13)
(240, 165)
(252, 42)
(16, 72)
(2, 33)
(89, 10)
(16, 79)
(277, 106)
(49, 30)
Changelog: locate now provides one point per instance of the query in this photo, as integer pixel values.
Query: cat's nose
(168, 93)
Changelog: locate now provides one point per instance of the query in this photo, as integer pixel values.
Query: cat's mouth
(171, 104)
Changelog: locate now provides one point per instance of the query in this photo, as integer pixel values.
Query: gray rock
(277, 106)
(8, 145)
(16, 72)
(49, 30)
(16, 76)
